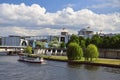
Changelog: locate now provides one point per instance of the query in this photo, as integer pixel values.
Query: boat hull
(30, 60)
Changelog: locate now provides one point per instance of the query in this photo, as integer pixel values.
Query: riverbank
(99, 62)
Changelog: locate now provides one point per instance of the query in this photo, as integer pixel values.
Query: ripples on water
(11, 69)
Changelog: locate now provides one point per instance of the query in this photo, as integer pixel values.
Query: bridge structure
(11, 49)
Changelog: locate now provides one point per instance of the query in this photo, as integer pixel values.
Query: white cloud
(34, 20)
(106, 3)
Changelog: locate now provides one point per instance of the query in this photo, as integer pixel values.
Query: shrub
(28, 50)
(74, 51)
(91, 52)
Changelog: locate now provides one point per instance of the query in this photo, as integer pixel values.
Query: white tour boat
(31, 60)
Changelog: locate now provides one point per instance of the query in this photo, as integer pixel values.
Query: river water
(11, 69)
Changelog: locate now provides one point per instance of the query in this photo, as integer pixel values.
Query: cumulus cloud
(34, 20)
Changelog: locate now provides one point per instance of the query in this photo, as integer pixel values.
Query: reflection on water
(90, 67)
(74, 65)
(112, 70)
(11, 69)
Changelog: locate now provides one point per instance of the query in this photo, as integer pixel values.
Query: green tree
(81, 38)
(111, 42)
(87, 41)
(118, 42)
(74, 51)
(28, 49)
(73, 38)
(37, 44)
(82, 42)
(54, 43)
(40, 44)
(106, 42)
(91, 52)
(96, 40)
(62, 45)
(114, 42)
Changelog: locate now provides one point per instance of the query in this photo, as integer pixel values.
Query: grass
(99, 60)
(108, 61)
(56, 57)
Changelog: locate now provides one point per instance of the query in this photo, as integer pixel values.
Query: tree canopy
(40, 44)
(73, 38)
(62, 45)
(54, 43)
(74, 51)
(103, 42)
(91, 52)
(28, 49)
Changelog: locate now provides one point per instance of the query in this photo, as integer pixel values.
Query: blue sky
(55, 5)
(34, 17)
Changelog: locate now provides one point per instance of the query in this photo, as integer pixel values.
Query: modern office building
(14, 41)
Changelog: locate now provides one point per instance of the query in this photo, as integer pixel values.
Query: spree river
(11, 69)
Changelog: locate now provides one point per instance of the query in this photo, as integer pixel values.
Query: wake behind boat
(31, 60)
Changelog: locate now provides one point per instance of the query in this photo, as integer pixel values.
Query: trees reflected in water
(112, 70)
(88, 67)
(91, 67)
(71, 65)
